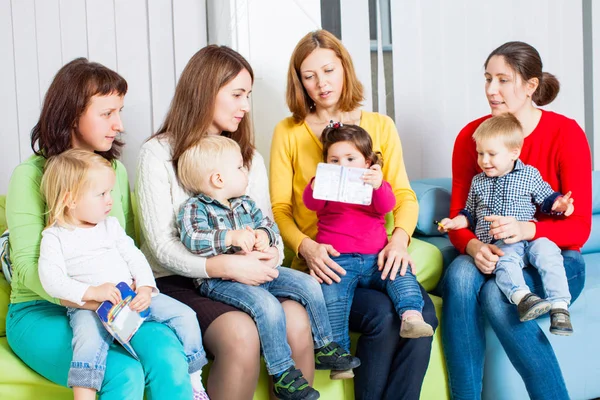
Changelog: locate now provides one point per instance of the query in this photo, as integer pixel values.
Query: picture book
(337, 183)
(119, 320)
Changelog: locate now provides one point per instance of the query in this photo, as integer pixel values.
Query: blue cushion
(595, 192)
(593, 243)
(434, 203)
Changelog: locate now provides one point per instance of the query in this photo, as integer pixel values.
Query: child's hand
(445, 225)
(458, 222)
(373, 176)
(142, 300)
(261, 240)
(105, 292)
(564, 204)
(244, 238)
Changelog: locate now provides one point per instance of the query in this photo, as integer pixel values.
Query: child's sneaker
(335, 358)
(413, 326)
(291, 385)
(200, 395)
(531, 306)
(560, 322)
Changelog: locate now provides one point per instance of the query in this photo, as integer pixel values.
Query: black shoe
(560, 322)
(531, 306)
(291, 385)
(335, 358)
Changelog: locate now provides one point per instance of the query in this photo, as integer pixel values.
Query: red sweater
(558, 148)
(353, 228)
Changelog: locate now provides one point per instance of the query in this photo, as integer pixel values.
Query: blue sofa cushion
(434, 203)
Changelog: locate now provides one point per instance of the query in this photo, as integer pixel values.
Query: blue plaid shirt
(204, 222)
(515, 194)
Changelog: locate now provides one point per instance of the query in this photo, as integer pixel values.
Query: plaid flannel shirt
(515, 194)
(204, 222)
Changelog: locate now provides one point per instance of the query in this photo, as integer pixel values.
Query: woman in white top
(211, 98)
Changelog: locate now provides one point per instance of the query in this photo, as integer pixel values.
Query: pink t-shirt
(353, 228)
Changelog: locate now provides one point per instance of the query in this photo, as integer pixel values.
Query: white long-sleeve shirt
(73, 259)
(159, 197)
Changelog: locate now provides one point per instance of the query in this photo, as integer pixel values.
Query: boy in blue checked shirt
(221, 219)
(507, 187)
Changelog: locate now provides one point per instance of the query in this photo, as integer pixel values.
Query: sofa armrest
(434, 203)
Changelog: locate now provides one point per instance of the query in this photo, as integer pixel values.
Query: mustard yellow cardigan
(295, 153)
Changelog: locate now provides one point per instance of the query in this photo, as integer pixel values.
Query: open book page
(337, 183)
(119, 320)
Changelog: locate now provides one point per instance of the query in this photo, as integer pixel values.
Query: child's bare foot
(413, 325)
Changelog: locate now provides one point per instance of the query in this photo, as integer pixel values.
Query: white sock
(196, 379)
(518, 296)
(560, 304)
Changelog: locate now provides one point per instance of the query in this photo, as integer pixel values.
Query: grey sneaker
(560, 322)
(531, 306)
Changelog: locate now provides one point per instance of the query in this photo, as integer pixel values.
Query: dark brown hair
(298, 100)
(65, 102)
(525, 60)
(192, 109)
(353, 134)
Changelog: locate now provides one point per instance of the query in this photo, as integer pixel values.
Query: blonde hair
(65, 179)
(200, 160)
(505, 126)
(298, 100)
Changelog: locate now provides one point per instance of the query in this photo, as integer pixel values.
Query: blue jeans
(542, 254)
(260, 302)
(91, 340)
(469, 296)
(361, 271)
(39, 334)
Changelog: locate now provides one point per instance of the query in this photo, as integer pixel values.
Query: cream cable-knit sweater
(159, 198)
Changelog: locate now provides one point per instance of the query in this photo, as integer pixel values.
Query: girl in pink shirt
(358, 233)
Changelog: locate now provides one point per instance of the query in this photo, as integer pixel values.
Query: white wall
(148, 42)
(439, 51)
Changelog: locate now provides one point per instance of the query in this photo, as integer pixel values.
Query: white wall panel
(73, 25)
(101, 33)
(439, 50)
(26, 70)
(9, 129)
(596, 84)
(133, 62)
(47, 28)
(189, 27)
(162, 65)
(355, 34)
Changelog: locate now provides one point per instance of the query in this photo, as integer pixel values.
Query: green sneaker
(291, 385)
(335, 358)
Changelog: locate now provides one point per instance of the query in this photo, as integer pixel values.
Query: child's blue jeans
(260, 302)
(545, 256)
(91, 340)
(361, 271)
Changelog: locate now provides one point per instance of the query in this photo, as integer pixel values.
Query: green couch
(17, 381)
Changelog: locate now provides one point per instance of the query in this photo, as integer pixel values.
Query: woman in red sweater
(558, 148)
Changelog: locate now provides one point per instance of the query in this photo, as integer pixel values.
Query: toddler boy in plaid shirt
(507, 187)
(221, 219)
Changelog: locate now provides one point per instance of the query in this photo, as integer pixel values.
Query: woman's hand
(319, 262)
(484, 255)
(373, 176)
(251, 268)
(269, 256)
(394, 257)
(88, 305)
(509, 229)
(142, 300)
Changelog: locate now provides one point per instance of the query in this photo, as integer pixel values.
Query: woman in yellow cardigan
(323, 87)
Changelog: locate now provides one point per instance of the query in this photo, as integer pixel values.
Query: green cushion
(3, 224)
(17, 381)
(4, 302)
